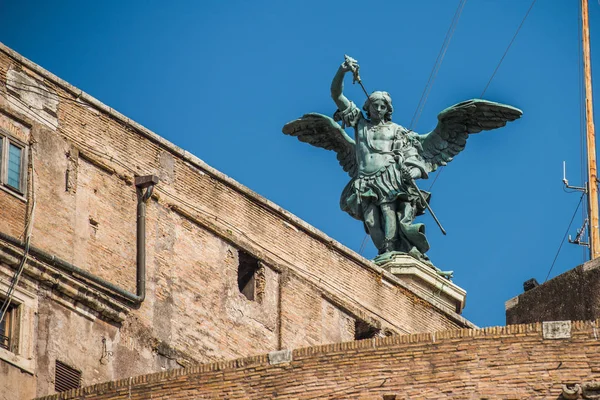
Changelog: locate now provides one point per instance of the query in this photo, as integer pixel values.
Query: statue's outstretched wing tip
(457, 122)
(321, 131)
(291, 128)
(484, 109)
(512, 111)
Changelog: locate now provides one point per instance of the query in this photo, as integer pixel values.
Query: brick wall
(85, 157)
(513, 362)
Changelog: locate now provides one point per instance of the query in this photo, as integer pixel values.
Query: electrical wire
(438, 62)
(493, 75)
(27, 233)
(564, 237)
(427, 89)
(508, 48)
(440, 170)
(363, 244)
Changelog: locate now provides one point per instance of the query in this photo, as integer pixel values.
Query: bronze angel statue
(384, 159)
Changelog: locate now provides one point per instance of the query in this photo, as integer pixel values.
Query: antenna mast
(590, 136)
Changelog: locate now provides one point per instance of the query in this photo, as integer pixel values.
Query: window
(247, 267)
(12, 164)
(251, 277)
(17, 327)
(66, 377)
(363, 330)
(8, 327)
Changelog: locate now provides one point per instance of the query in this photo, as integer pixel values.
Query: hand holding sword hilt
(350, 64)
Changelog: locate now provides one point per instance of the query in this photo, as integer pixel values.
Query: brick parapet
(331, 361)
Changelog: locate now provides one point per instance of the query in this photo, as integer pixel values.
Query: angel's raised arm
(337, 85)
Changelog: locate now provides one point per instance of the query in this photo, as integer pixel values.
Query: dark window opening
(248, 267)
(66, 378)
(363, 330)
(7, 328)
(389, 397)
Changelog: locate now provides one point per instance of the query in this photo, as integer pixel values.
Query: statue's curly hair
(378, 95)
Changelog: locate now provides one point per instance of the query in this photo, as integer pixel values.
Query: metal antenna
(581, 231)
(566, 181)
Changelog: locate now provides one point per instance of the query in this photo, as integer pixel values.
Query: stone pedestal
(423, 279)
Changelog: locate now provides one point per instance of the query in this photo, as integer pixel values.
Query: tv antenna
(581, 232)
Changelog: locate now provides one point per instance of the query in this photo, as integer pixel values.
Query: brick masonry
(83, 160)
(513, 362)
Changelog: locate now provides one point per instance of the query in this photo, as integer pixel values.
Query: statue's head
(379, 106)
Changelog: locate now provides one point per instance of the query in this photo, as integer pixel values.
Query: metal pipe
(141, 183)
(141, 246)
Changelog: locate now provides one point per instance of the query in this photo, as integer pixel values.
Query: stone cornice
(91, 300)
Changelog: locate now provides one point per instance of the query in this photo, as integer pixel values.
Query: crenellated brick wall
(513, 362)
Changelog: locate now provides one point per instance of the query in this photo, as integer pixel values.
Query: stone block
(557, 329)
(280, 357)
(424, 280)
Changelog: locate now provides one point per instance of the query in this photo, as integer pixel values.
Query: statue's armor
(383, 153)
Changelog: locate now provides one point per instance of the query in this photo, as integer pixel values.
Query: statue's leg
(390, 226)
(372, 218)
(413, 234)
(406, 215)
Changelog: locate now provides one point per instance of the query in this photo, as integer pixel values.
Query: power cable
(363, 244)
(27, 233)
(508, 48)
(432, 75)
(564, 237)
(494, 73)
(436, 177)
(437, 64)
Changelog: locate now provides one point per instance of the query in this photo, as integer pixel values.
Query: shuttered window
(66, 378)
(7, 328)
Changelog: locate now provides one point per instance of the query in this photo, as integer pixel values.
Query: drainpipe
(142, 183)
(144, 187)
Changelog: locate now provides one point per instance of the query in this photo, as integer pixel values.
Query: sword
(355, 75)
(414, 185)
(356, 78)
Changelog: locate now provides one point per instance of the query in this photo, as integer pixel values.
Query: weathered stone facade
(79, 198)
(512, 362)
(574, 294)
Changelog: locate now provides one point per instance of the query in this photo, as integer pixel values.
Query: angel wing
(456, 123)
(322, 131)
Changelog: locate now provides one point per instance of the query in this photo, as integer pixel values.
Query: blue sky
(220, 79)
